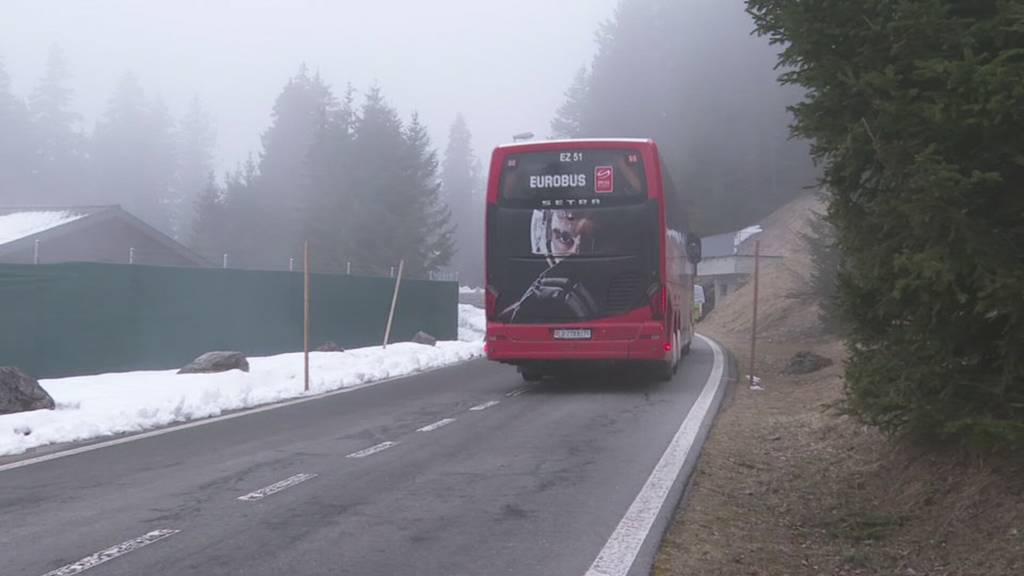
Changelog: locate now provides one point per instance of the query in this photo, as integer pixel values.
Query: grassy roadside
(787, 485)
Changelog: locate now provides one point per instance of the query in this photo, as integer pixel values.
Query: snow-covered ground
(468, 290)
(21, 224)
(94, 406)
(472, 323)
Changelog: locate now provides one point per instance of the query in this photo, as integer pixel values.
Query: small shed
(105, 234)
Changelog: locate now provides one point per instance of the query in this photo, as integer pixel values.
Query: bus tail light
(658, 301)
(490, 302)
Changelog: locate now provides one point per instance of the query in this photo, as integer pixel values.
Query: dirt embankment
(788, 485)
(785, 310)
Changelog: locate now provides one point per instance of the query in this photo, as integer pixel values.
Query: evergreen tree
(59, 160)
(133, 155)
(243, 215)
(16, 182)
(209, 222)
(378, 235)
(463, 192)
(709, 99)
(196, 138)
(823, 282)
(568, 121)
(330, 217)
(282, 196)
(914, 110)
(428, 238)
(223, 216)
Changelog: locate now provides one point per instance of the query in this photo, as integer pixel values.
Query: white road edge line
(516, 392)
(204, 422)
(276, 487)
(372, 450)
(112, 552)
(619, 553)
(484, 406)
(436, 425)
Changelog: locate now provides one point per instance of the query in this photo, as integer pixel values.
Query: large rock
(213, 362)
(19, 392)
(805, 363)
(425, 339)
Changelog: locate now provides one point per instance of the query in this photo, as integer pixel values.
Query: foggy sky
(505, 65)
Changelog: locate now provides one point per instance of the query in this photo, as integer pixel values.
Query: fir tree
(58, 157)
(378, 237)
(16, 182)
(914, 110)
(196, 138)
(568, 121)
(282, 195)
(209, 222)
(133, 155)
(463, 192)
(694, 80)
(429, 240)
(330, 217)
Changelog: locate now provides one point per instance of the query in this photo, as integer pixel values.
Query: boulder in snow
(425, 339)
(806, 362)
(217, 362)
(19, 392)
(330, 346)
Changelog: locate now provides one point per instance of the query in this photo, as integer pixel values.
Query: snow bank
(93, 406)
(18, 225)
(472, 323)
(468, 290)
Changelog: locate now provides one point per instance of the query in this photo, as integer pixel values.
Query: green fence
(67, 319)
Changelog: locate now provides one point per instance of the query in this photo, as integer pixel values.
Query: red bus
(588, 257)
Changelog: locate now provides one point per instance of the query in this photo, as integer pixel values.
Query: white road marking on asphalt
(372, 450)
(196, 423)
(436, 425)
(277, 487)
(516, 392)
(112, 552)
(484, 406)
(618, 554)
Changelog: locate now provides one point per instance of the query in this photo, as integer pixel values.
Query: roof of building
(727, 244)
(18, 224)
(24, 224)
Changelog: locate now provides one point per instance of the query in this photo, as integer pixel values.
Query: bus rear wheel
(667, 368)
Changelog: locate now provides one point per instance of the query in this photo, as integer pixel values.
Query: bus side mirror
(693, 249)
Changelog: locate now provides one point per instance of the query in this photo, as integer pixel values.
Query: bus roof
(549, 144)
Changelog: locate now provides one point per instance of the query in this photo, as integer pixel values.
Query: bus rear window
(573, 178)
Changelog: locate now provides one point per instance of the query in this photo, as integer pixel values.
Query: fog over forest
(505, 69)
(246, 128)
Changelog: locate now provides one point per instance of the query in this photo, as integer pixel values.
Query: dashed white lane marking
(276, 487)
(484, 406)
(112, 552)
(436, 425)
(372, 450)
(618, 554)
(516, 392)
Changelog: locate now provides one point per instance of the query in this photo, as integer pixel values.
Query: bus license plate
(579, 334)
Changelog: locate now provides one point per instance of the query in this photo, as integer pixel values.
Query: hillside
(788, 484)
(784, 308)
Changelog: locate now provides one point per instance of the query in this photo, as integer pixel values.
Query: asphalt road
(460, 471)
